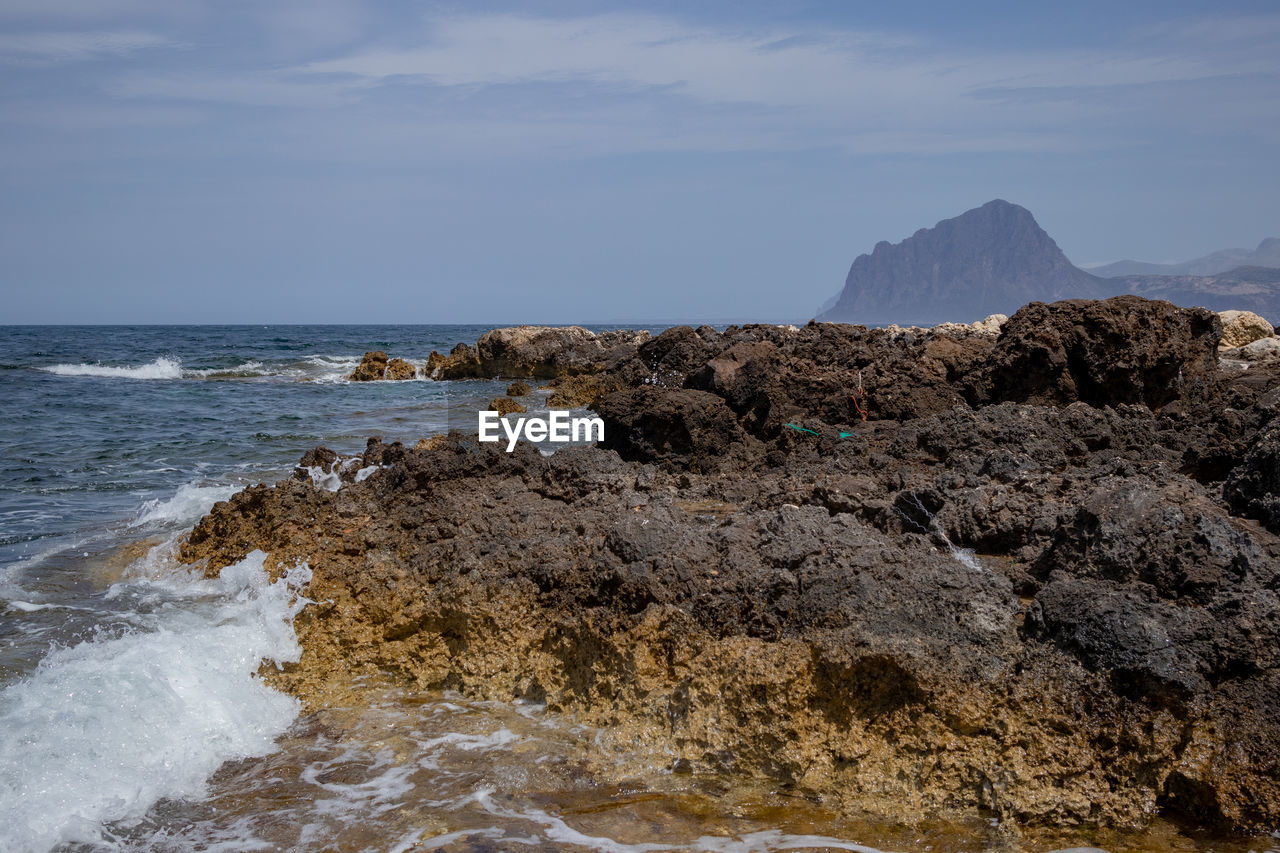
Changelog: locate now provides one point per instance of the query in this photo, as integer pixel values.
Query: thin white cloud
(261, 89)
(776, 68)
(518, 84)
(52, 48)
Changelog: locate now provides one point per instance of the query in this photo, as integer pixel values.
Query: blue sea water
(99, 420)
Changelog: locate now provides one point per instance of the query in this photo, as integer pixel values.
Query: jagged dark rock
(1121, 350)
(1253, 487)
(1014, 590)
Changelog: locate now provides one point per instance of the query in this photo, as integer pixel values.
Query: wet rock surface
(376, 366)
(371, 368)
(1036, 582)
(399, 370)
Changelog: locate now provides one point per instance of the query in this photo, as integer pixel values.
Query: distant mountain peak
(991, 259)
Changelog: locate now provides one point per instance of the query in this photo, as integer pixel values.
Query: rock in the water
(398, 369)
(372, 367)
(1243, 327)
(376, 366)
(462, 363)
(506, 406)
(1120, 350)
(518, 389)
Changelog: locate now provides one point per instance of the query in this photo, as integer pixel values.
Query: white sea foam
(556, 829)
(331, 480)
(380, 793)
(334, 368)
(100, 731)
(188, 504)
(473, 743)
(327, 480)
(161, 368)
(249, 368)
(367, 472)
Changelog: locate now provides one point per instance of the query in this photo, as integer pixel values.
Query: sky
(326, 161)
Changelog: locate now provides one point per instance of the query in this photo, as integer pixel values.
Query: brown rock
(807, 605)
(506, 406)
(399, 369)
(571, 392)
(372, 367)
(462, 363)
(542, 351)
(518, 389)
(820, 614)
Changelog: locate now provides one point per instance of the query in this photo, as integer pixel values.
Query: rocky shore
(1024, 569)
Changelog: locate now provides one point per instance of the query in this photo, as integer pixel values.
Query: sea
(131, 714)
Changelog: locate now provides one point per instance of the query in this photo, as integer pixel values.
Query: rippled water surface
(131, 713)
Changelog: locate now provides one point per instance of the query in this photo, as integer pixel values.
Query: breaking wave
(103, 730)
(161, 368)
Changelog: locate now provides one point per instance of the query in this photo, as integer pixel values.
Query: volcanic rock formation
(1014, 590)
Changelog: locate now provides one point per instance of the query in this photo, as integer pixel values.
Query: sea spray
(186, 505)
(161, 368)
(104, 729)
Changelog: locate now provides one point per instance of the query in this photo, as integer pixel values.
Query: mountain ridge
(1267, 254)
(995, 258)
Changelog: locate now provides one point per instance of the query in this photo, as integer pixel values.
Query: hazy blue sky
(332, 161)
